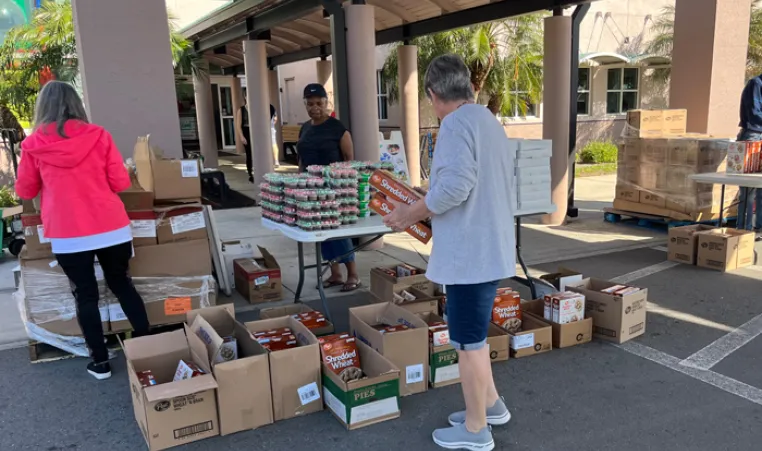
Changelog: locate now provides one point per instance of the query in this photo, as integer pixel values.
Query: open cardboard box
(424, 303)
(295, 309)
(258, 279)
(244, 394)
(294, 373)
(499, 342)
(172, 413)
(167, 179)
(408, 350)
(562, 277)
(564, 335)
(615, 318)
(444, 369)
(383, 286)
(366, 401)
(536, 337)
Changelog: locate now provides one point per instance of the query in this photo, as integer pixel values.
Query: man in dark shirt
(751, 130)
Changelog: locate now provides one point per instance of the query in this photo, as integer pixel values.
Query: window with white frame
(583, 92)
(622, 90)
(383, 96)
(522, 104)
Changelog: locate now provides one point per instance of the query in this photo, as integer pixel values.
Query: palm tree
(662, 43)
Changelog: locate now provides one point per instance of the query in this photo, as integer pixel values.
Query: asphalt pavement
(639, 396)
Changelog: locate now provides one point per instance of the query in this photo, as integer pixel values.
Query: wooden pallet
(40, 352)
(654, 222)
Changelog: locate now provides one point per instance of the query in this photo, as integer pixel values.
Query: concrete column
(126, 68)
(325, 78)
(237, 93)
(408, 80)
(556, 110)
(275, 101)
(709, 63)
(363, 102)
(258, 99)
(207, 136)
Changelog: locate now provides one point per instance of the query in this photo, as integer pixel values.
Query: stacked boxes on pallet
(171, 266)
(655, 165)
(533, 172)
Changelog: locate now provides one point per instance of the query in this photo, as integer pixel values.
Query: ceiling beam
(295, 37)
(322, 35)
(447, 6)
(285, 44)
(394, 9)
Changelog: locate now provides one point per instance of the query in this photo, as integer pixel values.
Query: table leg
(300, 285)
(318, 261)
(722, 205)
(530, 282)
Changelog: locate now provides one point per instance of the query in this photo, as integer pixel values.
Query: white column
(325, 78)
(409, 100)
(207, 135)
(275, 101)
(126, 70)
(361, 55)
(557, 98)
(237, 93)
(258, 99)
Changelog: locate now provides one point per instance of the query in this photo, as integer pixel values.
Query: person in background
(79, 170)
(751, 130)
(274, 137)
(243, 135)
(324, 140)
(469, 203)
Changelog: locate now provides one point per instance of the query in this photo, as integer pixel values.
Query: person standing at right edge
(474, 247)
(78, 169)
(243, 134)
(751, 130)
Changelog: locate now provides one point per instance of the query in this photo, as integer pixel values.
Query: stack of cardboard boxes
(721, 249)
(655, 162)
(171, 267)
(532, 166)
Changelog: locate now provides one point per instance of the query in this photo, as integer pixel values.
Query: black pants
(247, 149)
(79, 268)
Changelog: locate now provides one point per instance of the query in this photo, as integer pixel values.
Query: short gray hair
(57, 103)
(449, 78)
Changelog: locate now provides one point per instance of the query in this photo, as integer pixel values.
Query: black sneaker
(99, 371)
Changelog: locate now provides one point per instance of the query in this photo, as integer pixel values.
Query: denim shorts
(469, 312)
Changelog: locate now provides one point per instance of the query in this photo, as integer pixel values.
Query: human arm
(347, 147)
(29, 181)
(116, 172)
(455, 172)
(239, 128)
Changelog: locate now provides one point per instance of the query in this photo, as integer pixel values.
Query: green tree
(662, 42)
(48, 44)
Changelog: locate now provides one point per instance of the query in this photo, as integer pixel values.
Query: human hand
(244, 142)
(400, 218)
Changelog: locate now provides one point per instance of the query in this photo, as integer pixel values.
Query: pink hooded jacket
(79, 176)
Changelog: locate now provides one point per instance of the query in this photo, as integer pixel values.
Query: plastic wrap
(49, 313)
(657, 172)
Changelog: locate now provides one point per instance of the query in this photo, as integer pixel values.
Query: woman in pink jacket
(79, 170)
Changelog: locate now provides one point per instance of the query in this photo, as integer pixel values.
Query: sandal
(351, 286)
(331, 284)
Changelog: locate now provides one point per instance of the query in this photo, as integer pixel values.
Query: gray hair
(449, 78)
(57, 103)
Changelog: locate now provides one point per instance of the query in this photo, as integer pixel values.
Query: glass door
(227, 117)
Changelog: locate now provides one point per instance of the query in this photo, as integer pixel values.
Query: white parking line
(660, 248)
(720, 381)
(716, 351)
(647, 271)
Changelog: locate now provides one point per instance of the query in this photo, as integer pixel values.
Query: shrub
(8, 197)
(598, 152)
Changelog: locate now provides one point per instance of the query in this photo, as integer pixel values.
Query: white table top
(722, 178)
(371, 226)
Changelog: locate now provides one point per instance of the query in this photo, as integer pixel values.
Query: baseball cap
(314, 90)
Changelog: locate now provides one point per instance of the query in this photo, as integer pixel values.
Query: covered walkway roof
(301, 29)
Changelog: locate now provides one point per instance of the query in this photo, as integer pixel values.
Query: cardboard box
(384, 285)
(536, 337)
(118, 321)
(233, 250)
(645, 123)
(168, 179)
(499, 343)
(367, 401)
(675, 122)
(407, 350)
(424, 303)
(244, 393)
(259, 279)
(137, 199)
(562, 277)
(294, 373)
(383, 207)
(295, 309)
(653, 199)
(615, 318)
(388, 185)
(683, 242)
(564, 335)
(180, 223)
(171, 413)
(143, 224)
(444, 369)
(725, 249)
(171, 306)
(628, 193)
(37, 246)
(185, 259)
